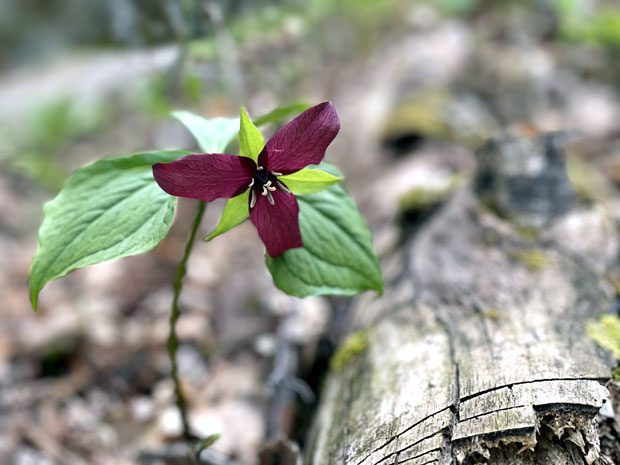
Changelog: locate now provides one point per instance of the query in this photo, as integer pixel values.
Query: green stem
(173, 342)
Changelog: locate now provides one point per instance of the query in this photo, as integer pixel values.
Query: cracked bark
(476, 351)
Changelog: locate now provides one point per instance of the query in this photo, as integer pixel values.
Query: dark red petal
(301, 142)
(206, 177)
(277, 224)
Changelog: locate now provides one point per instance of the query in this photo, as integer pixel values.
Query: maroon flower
(272, 206)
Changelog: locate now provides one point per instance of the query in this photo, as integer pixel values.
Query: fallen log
(476, 353)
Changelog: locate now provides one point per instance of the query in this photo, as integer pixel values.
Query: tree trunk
(477, 352)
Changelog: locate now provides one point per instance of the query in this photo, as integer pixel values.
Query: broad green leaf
(337, 257)
(251, 141)
(281, 113)
(309, 181)
(236, 211)
(109, 209)
(213, 134)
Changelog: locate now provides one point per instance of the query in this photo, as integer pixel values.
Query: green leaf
(251, 141)
(109, 209)
(205, 443)
(309, 181)
(236, 211)
(281, 113)
(337, 257)
(213, 134)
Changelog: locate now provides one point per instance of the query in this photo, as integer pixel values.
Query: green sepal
(251, 141)
(236, 211)
(213, 134)
(309, 181)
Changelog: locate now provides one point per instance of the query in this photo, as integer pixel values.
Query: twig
(284, 383)
(48, 444)
(173, 343)
(180, 454)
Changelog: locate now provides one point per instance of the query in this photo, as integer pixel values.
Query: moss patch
(606, 333)
(423, 199)
(585, 179)
(528, 233)
(533, 260)
(420, 113)
(356, 344)
(492, 314)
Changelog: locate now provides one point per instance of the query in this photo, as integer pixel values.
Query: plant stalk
(173, 342)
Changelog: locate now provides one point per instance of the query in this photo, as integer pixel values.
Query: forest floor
(86, 379)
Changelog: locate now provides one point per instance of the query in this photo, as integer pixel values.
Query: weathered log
(476, 352)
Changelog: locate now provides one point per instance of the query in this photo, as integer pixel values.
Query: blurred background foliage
(31, 30)
(34, 33)
(39, 33)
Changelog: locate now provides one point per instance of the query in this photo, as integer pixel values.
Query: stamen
(283, 187)
(266, 187)
(275, 173)
(251, 183)
(252, 198)
(270, 198)
(258, 168)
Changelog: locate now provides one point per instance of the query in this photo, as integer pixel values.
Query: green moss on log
(492, 314)
(423, 199)
(355, 345)
(533, 260)
(606, 333)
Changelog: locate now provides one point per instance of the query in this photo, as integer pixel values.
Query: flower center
(264, 183)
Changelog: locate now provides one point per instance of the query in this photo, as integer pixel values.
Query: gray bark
(477, 352)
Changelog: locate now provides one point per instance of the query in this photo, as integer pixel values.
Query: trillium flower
(262, 182)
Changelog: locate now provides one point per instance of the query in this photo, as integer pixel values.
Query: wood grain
(477, 351)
